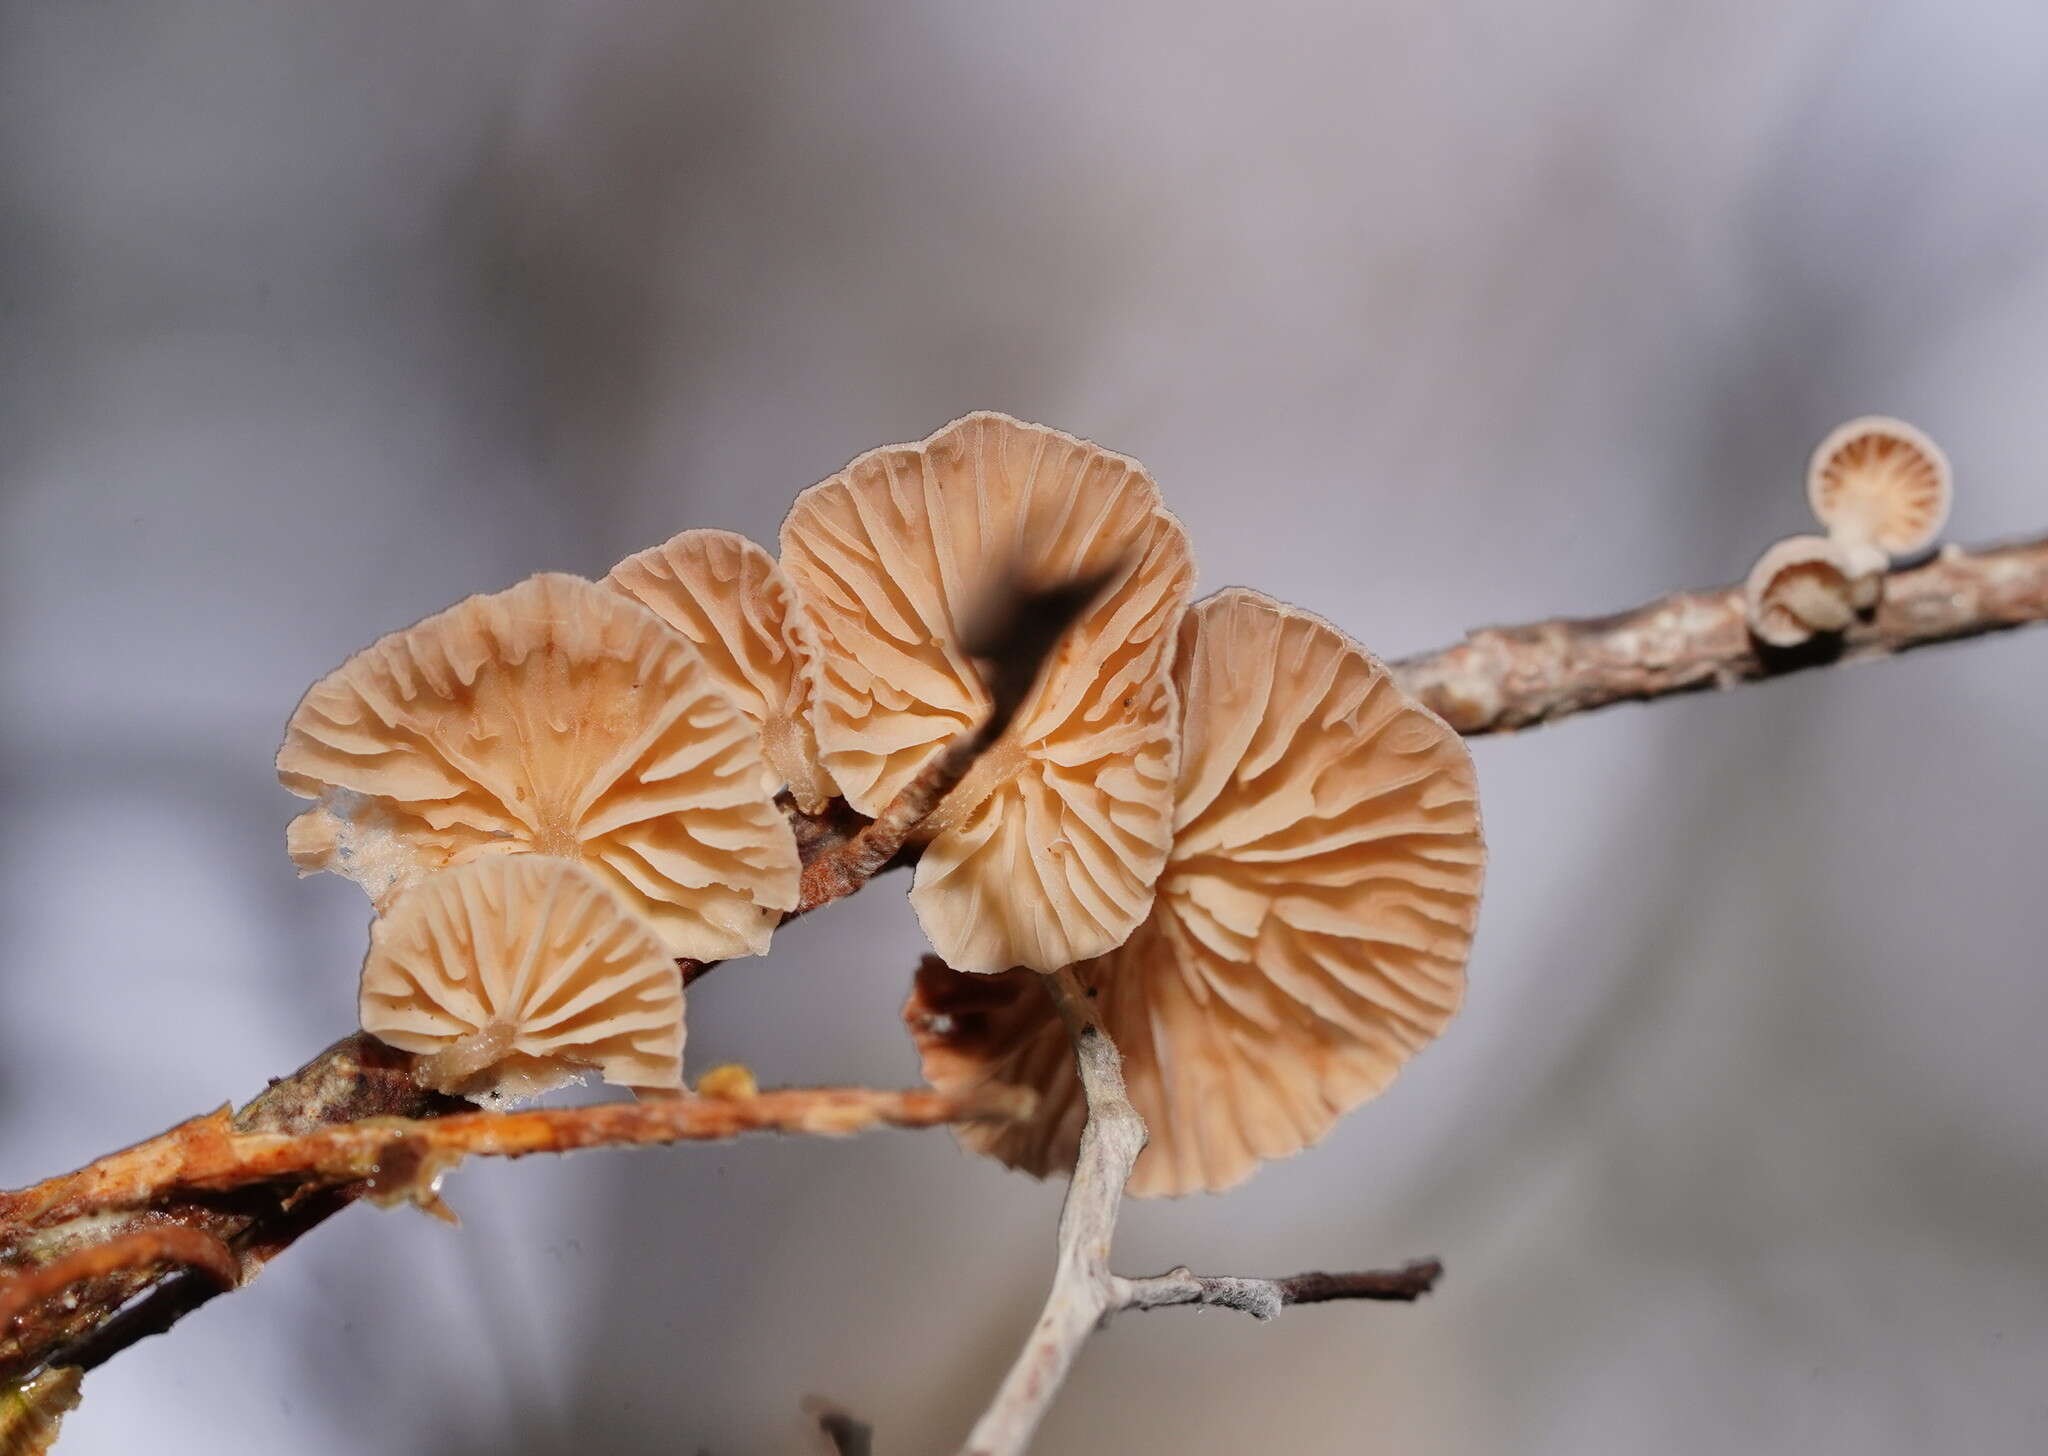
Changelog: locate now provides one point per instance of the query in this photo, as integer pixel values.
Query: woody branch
(354, 1122)
(1503, 678)
(1496, 680)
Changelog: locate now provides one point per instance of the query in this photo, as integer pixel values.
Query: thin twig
(358, 1077)
(1085, 1293)
(397, 1155)
(257, 1192)
(167, 1246)
(1265, 1298)
(1503, 678)
(1083, 1290)
(100, 1336)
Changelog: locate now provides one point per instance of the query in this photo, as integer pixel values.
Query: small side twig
(1085, 1294)
(106, 1330)
(168, 1246)
(257, 1181)
(1265, 1298)
(393, 1155)
(397, 1156)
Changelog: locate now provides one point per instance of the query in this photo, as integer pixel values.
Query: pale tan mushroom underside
(517, 973)
(1311, 929)
(1807, 585)
(727, 596)
(557, 718)
(1881, 481)
(1049, 851)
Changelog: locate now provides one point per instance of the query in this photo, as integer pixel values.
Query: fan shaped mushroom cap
(555, 718)
(1807, 585)
(1047, 853)
(727, 596)
(1880, 481)
(1310, 932)
(517, 973)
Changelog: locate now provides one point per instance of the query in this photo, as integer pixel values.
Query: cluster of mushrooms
(1881, 488)
(1261, 854)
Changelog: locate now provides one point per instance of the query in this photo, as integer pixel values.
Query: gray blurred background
(1426, 313)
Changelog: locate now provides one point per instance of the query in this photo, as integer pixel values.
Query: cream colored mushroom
(1808, 585)
(1047, 853)
(1310, 932)
(1880, 482)
(511, 975)
(555, 718)
(727, 596)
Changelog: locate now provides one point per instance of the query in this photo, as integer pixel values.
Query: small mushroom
(1805, 586)
(1048, 851)
(1311, 927)
(512, 975)
(1879, 482)
(555, 718)
(727, 596)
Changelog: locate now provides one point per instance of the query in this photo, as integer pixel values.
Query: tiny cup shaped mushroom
(1805, 586)
(1880, 482)
(556, 718)
(1048, 851)
(1311, 927)
(727, 596)
(511, 975)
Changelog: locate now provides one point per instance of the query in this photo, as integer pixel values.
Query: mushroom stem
(997, 765)
(1819, 608)
(469, 1057)
(787, 754)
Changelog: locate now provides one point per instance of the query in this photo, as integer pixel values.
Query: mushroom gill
(555, 718)
(1310, 931)
(1048, 852)
(511, 975)
(726, 594)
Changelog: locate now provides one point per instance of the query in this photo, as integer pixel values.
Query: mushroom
(514, 974)
(1808, 585)
(1310, 931)
(1879, 482)
(727, 596)
(1047, 852)
(555, 718)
